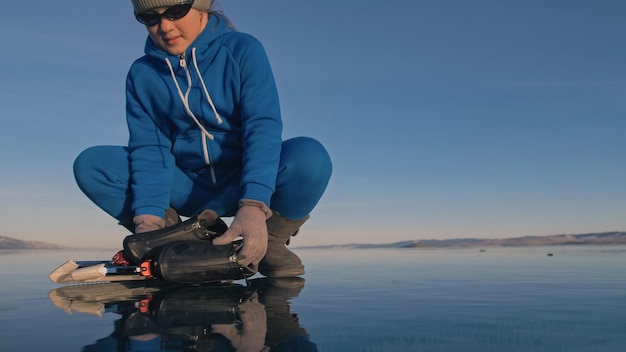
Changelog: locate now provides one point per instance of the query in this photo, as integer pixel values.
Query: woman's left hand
(249, 223)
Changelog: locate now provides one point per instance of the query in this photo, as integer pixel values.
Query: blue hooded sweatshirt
(213, 112)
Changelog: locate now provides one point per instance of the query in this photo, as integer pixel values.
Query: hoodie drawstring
(206, 91)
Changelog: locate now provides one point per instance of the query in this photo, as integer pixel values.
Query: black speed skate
(204, 226)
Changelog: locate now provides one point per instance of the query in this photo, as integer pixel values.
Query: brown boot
(280, 261)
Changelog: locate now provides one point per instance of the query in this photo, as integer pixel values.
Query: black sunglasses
(172, 13)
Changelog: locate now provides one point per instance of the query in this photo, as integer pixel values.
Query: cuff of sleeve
(257, 192)
(156, 211)
(255, 203)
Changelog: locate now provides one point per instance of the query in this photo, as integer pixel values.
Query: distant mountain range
(12, 243)
(616, 237)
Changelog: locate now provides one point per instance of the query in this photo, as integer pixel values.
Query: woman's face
(177, 35)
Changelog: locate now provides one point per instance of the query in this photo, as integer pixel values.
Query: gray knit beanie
(145, 5)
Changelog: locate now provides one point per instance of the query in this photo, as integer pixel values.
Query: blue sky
(444, 118)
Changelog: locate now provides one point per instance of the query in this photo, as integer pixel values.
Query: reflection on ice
(221, 317)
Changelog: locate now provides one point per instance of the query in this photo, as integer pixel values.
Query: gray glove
(148, 222)
(249, 223)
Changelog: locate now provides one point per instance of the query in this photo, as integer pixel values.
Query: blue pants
(103, 174)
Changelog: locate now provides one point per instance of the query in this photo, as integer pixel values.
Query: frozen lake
(502, 299)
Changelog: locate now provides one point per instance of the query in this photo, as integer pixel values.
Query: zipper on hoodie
(205, 148)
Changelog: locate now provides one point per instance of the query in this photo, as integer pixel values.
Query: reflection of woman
(206, 318)
(118, 342)
(220, 337)
(205, 133)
